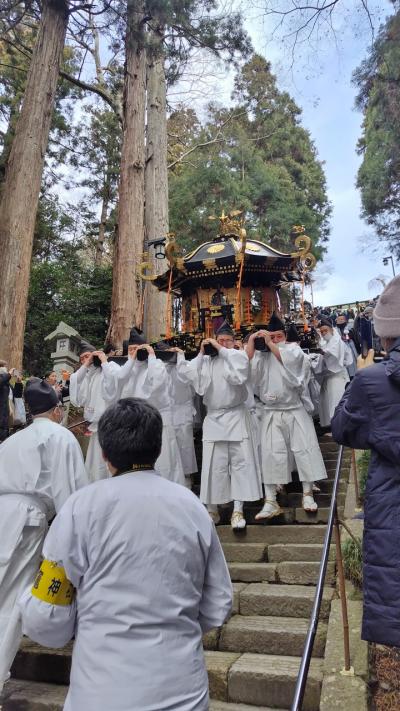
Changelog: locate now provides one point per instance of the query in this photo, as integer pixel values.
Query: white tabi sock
(270, 492)
(238, 506)
(307, 488)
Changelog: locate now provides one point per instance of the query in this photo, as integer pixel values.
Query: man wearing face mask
(281, 372)
(40, 467)
(331, 369)
(86, 390)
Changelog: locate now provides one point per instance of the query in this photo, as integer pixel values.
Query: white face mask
(3, 369)
(328, 336)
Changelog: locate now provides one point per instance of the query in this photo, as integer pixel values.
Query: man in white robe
(287, 431)
(183, 410)
(229, 469)
(331, 370)
(86, 390)
(40, 466)
(150, 578)
(144, 376)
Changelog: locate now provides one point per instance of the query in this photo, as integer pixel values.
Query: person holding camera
(331, 369)
(144, 376)
(229, 472)
(280, 372)
(86, 390)
(368, 417)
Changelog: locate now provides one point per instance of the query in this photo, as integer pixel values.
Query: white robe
(183, 412)
(287, 430)
(151, 578)
(331, 371)
(229, 469)
(40, 467)
(86, 390)
(148, 380)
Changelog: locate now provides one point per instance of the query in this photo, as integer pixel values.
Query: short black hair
(130, 432)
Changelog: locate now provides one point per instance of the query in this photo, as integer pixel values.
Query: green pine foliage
(353, 561)
(254, 156)
(362, 469)
(378, 82)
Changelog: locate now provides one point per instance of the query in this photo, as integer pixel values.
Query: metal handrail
(312, 628)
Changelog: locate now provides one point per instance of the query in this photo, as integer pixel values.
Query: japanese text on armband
(52, 585)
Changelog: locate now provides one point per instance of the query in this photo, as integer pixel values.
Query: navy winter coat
(368, 417)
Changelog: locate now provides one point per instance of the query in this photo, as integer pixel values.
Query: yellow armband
(52, 585)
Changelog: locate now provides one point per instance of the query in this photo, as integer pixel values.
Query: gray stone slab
(252, 572)
(42, 664)
(282, 600)
(33, 696)
(270, 635)
(265, 679)
(224, 706)
(242, 552)
(218, 665)
(297, 573)
(238, 588)
(334, 654)
(272, 533)
(279, 552)
(340, 692)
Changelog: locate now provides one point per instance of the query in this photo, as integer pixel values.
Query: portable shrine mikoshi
(231, 277)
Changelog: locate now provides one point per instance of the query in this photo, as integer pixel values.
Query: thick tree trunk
(156, 191)
(102, 225)
(126, 302)
(21, 187)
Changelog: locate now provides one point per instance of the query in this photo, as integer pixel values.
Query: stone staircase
(253, 660)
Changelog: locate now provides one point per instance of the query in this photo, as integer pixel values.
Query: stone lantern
(66, 354)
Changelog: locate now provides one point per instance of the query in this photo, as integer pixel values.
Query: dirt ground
(385, 678)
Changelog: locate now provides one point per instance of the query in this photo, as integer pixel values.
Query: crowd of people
(136, 553)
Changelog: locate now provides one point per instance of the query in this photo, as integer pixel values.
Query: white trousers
(288, 435)
(169, 463)
(20, 574)
(332, 390)
(94, 463)
(229, 472)
(184, 437)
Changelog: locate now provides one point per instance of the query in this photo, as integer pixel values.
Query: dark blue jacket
(368, 417)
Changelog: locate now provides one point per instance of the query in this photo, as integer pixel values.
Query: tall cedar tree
(378, 82)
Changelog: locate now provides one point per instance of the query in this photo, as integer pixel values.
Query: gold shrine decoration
(229, 225)
(303, 242)
(171, 249)
(146, 265)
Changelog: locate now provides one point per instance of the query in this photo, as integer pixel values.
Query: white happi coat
(183, 411)
(229, 470)
(148, 380)
(287, 430)
(86, 390)
(151, 578)
(331, 371)
(40, 467)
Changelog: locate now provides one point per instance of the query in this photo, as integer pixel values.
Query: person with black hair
(149, 573)
(281, 372)
(40, 466)
(144, 376)
(86, 389)
(331, 369)
(229, 470)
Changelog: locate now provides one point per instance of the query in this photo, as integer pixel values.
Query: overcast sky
(320, 83)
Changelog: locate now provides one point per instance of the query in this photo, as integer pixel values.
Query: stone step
(22, 695)
(287, 572)
(245, 552)
(272, 533)
(285, 600)
(225, 706)
(252, 572)
(279, 552)
(42, 664)
(299, 573)
(258, 679)
(270, 635)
